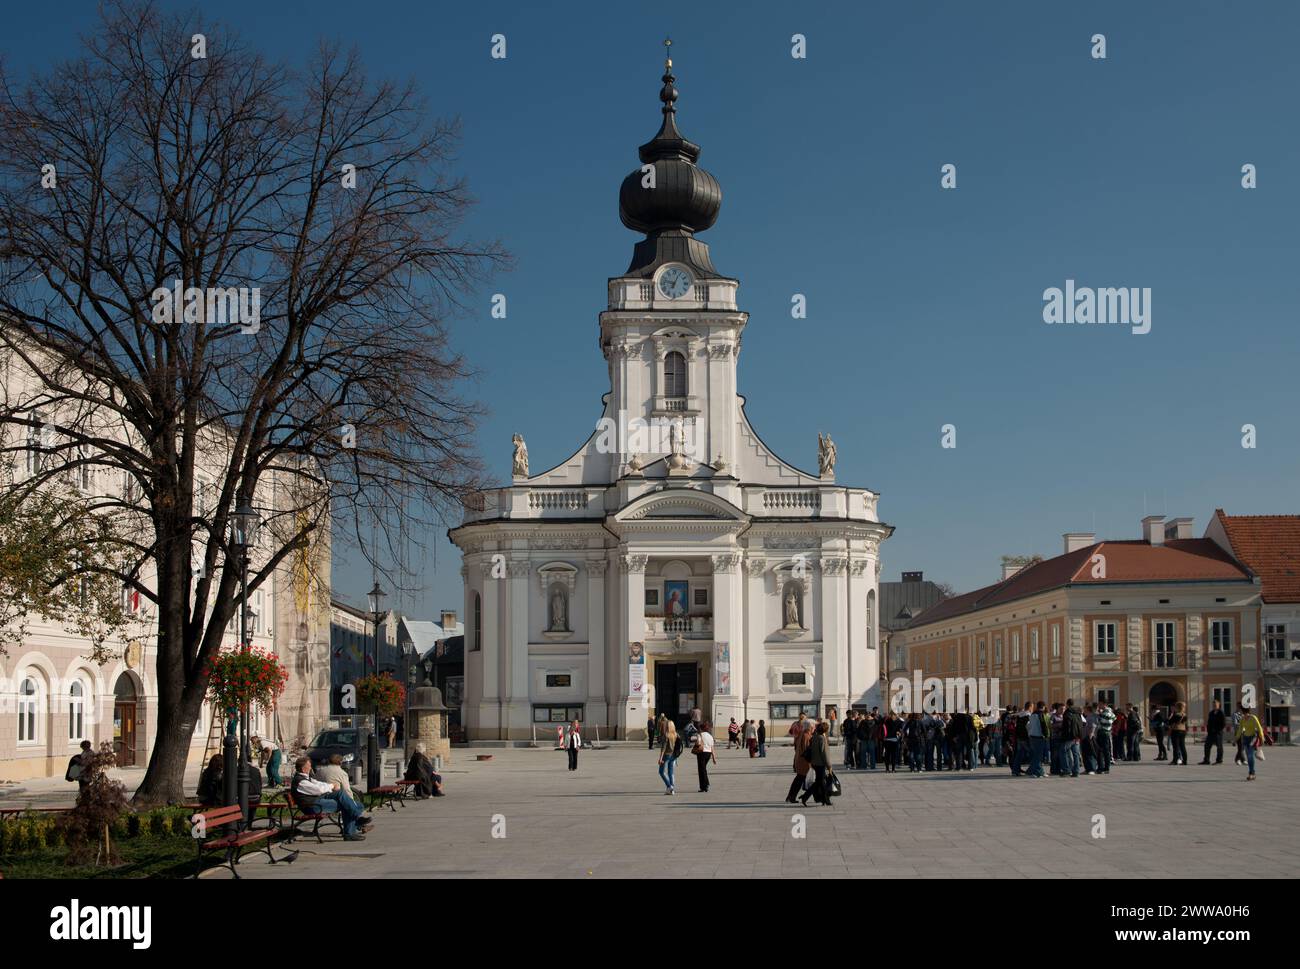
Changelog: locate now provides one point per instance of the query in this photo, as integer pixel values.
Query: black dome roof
(685, 198)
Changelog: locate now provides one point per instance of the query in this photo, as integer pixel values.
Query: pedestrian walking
(392, 732)
(1214, 727)
(1250, 734)
(801, 765)
(733, 733)
(704, 754)
(670, 748)
(651, 729)
(573, 743)
(819, 759)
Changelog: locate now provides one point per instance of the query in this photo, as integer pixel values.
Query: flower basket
(236, 677)
(381, 693)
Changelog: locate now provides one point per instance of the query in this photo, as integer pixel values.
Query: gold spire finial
(668, 44)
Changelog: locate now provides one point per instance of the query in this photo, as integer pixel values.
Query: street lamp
(244, 523)
(376, 601)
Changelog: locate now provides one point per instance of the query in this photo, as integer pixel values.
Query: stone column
(489, 717)
(517, 720)
(863, 673)
(728, 624)
(755, 633)
(832, 573)
(597, 705)
(632, 594)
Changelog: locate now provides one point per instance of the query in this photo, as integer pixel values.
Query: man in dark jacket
(1214, 725)
(1158, 725)
(848, 733)
(1071, 737)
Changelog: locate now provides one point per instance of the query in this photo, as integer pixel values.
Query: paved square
(612, 819)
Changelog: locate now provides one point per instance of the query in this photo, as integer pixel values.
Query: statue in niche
(825, 455)
(520, 468)
(559, 610)
(791, 608)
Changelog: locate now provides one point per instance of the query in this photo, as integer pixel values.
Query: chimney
(1179, 528)
(1077, 540)
(1009, 569)
(448, 619)
(912, 576)
(1153, 532)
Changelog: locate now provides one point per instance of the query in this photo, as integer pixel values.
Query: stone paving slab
(611, 819)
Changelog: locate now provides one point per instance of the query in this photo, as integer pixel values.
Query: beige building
(53, 695)
(1152, 621)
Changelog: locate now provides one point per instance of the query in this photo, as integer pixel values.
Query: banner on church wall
(636, 670)
(722, 667)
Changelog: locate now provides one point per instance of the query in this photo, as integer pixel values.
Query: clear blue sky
(924, 305)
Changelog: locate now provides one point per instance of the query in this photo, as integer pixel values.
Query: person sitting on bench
(428, 783)
(332, 772)
(212, 782)
(322, 797)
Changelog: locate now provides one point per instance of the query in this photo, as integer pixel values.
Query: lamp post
(244, 523)
(376, 601)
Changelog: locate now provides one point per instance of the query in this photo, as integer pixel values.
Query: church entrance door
(676, 691)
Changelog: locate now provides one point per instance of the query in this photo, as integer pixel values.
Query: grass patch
(142, 857)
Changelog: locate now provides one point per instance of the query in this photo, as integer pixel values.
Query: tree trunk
(181, 686)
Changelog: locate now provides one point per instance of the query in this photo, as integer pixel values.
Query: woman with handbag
(670, 748)
(819, 759)
(703, 754)
(1250, 733)
(1178, 733)
(801, 765)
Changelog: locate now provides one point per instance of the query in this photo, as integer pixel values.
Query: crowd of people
(1036, 740)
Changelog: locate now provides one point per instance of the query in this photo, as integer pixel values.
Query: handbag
(833, 788)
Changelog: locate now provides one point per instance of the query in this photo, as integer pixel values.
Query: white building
(674, 561)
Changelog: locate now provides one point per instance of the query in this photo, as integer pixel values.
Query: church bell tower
(672, 332)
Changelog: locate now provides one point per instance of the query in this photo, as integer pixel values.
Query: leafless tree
(226, 174)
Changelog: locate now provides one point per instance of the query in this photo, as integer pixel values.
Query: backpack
(678, 746)
(1022, 728)
(1072, 727)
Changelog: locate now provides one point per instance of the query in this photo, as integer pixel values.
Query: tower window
(674, 375)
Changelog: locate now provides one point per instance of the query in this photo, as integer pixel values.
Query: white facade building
(674, 561)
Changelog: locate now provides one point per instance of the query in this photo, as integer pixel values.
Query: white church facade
(674, 562)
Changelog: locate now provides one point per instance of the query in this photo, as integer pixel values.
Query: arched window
(28, 703)
(674, 375)
(76, 711)
(478, 622)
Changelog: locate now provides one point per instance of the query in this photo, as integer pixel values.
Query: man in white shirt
(573, 743)
(324, 797)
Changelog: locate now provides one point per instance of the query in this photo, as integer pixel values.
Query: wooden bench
(298, 817)
(212, 836)
(386, 795)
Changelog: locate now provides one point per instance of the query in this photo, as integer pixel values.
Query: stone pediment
(679, 504)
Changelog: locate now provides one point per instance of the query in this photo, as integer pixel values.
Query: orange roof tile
(1269, 545)
(1177, 560)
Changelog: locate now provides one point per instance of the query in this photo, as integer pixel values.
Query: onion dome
(685, 198)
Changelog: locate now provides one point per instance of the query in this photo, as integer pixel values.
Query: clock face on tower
(674, 282)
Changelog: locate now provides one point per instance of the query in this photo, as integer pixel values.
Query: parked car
(350, 742)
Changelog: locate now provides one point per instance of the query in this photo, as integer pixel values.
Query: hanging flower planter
(381, 693)
(236, 677)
